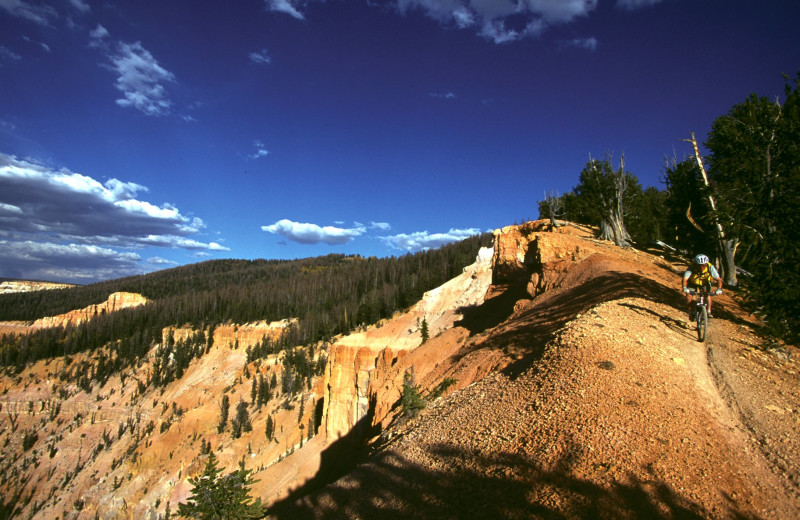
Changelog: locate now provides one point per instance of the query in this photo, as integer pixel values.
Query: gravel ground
(624, 415)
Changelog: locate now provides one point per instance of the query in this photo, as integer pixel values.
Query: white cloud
(446, 95)
(76, 263)
(81, 6)
(501, 21)
(304, 233)
(261, 150)
(422, 240)
(285, 6)
(381, 226)
(157, 260)
(61, 225)
(261, 57)
(39, 14)
(140, 79)
(97, 35)
(37, 201)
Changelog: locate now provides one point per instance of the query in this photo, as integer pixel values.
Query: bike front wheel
(702, 323)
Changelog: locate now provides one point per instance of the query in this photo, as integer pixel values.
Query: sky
(137, 136)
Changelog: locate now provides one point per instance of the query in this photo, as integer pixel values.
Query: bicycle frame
(701, 313)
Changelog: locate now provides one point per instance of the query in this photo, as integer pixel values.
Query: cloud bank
(72, 223)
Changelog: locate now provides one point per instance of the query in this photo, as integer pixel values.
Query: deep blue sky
(136, 135)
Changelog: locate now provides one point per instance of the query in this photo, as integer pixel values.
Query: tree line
(739, 205)
(330, 295)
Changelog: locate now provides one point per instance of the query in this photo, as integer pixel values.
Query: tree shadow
(469, 484)
(492, 312)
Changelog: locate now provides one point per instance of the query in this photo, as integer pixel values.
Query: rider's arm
(686, 276)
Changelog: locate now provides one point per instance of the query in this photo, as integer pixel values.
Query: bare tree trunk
(727, 246)
(612, 227)
(555, 206)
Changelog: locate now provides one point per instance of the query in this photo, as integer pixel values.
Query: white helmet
(701, 259)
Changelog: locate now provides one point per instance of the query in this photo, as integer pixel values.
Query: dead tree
(611, 187)
(726, 246)
(554, 204)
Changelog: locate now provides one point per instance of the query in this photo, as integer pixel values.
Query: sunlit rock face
(365, 370)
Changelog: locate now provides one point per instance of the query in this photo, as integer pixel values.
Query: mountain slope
(604, 406)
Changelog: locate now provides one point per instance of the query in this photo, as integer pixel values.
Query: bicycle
(701, 313)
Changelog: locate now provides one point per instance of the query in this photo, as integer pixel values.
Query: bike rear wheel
(702, 322)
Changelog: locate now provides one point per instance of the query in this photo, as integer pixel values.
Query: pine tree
(224, 407)
(270, 428)
(220, 497)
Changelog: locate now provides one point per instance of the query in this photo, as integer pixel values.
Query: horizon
(135, 138)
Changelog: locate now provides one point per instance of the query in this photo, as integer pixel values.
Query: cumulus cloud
(422, 240)
(36, 13)
(41, 206)
(305, 233)
(141, 79)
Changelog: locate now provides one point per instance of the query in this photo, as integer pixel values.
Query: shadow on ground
(477, 486)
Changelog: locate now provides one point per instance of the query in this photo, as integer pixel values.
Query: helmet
(701, 259)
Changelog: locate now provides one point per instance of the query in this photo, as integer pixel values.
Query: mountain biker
(700, 275)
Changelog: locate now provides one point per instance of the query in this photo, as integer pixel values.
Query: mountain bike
(701, 312)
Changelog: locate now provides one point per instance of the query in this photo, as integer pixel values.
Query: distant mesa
(15, 286)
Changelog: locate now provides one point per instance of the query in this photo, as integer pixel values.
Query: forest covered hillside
(328, 295)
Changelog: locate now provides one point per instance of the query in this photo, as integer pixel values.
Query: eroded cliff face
(354, 386)
(116, 301)
(234, 335)
(14, 286)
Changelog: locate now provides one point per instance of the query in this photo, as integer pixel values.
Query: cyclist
(699, 276)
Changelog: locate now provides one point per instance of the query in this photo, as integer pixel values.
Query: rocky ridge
(598, 402)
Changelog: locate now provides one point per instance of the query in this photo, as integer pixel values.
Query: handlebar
(713, 292)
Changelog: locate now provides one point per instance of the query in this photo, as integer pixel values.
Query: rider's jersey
(699, 275)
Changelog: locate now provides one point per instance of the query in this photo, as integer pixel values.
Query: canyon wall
(353, 386)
